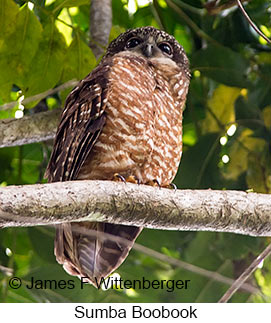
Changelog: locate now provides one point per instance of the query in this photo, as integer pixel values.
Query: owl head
(149, 42)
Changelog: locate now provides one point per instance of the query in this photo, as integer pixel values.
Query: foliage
(227, 131)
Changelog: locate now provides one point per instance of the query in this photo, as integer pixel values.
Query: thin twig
(40, 96)
(154, 8)
(186, 6)
(192, 268)
(190, 22)
(251, 22)
(245, 275)
(214, 9)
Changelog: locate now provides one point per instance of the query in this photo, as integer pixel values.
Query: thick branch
(36, 128)
(140, 205)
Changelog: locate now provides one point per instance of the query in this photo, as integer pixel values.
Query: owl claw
(154, 182)
(133, 179)
(130, 179)
(172, 186)
(118, 178)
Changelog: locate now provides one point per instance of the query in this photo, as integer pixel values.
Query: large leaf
(258, 174)
(79, 61)
(19, 41)
(59, 4)
(222, 65)
(199, 164)
(221, 109)
(239, 152)
(8, 13)
(47, 64)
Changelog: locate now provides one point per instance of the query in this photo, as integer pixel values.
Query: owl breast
(143, 131)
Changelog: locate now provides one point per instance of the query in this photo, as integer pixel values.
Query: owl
(123, 121)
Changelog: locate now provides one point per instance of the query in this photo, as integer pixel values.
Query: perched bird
(122, 121)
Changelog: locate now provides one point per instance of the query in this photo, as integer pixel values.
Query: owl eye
(133, 42)
(166, 48)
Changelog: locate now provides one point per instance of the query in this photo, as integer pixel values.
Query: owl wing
(82, 121)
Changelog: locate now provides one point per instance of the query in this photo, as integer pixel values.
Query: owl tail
(93, 250)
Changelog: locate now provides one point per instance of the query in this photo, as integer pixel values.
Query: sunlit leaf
(266, 113)
(60, 4)
(239, 152)
(18, 45)
(258, 173)
(63, 25)
(47, 64)
(79, 61)
(221, 108)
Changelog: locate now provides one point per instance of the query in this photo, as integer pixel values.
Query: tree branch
(40, 96)
(100, 25)
(140, 205)
(199, 32)
(258, 31)
(212, 275)
(36, 128)
(245, 275)
(214, 7)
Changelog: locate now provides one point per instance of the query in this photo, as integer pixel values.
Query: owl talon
(118, 178)
(133, 179)
(154, 182)
(172, 186)
(130, 179)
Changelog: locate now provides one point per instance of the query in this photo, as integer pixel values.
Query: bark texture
(100, 25)
(36, 128)
(140, 205)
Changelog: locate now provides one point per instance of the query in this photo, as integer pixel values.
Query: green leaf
(198, 168)
(7, 172)
(47, 65)
(221, 108)
(78, 62)
(246, 112)
(258, 174)
(236, 247)
(240, 151)
(222, 65)
(120, 15)
(266, 113)
(17, 46)
(42, 239)
(8, 13)
(60, 4)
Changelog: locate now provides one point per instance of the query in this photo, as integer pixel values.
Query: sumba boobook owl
(123, 121)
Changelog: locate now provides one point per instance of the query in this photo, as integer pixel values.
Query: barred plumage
(125, 117)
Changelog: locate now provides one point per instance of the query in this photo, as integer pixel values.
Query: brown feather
(93, 250)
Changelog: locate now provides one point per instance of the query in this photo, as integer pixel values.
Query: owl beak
(148, 50)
